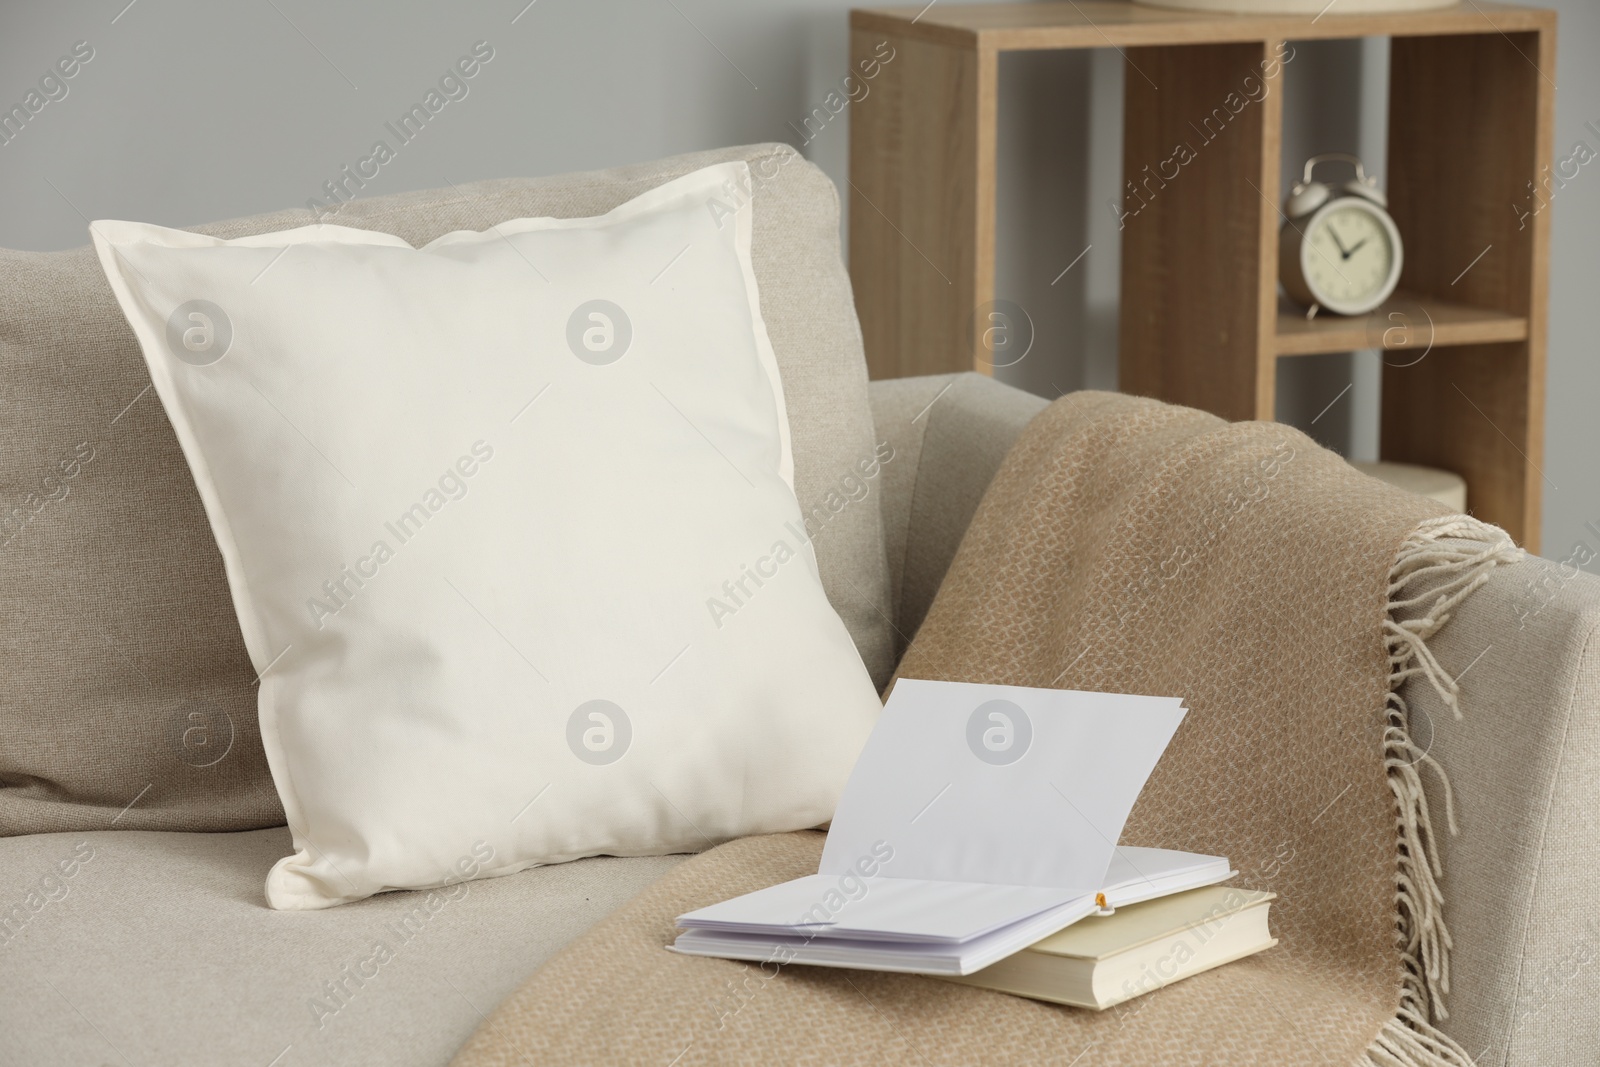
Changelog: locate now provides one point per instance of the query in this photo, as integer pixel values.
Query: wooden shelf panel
(922, 205)
(1406, 322)
(1191, 317)
(1121, 24)
(1487, 103)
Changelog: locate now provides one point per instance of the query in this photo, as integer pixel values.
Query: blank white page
(999, 784)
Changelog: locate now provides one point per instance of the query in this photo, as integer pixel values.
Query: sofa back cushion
(127, 699)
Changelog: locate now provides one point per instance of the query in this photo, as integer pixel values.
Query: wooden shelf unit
(1471, 111)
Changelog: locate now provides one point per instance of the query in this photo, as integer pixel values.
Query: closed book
(1107, 959)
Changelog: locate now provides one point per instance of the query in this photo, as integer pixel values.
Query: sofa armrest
(949, 433)
(1522, 877)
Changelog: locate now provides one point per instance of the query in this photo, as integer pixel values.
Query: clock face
(1348, 257)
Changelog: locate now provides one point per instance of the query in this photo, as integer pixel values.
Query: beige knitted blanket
(1128, 546)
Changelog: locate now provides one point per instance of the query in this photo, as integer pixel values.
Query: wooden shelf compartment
(1405, 322)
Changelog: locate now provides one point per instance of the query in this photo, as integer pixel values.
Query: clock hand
(1335, 235)
(1355, 248)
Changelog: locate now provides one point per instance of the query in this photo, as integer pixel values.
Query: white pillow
(510, 528)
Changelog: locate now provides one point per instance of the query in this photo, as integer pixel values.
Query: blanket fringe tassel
(1439, 565)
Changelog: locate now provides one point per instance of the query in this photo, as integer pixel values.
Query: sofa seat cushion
(147, 947)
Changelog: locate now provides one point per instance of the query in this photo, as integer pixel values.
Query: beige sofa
(157, 946)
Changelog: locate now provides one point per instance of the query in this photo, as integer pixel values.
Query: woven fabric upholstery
(1522, 878)
(949, 433)
(158, 949)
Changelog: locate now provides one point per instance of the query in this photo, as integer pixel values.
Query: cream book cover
(1105, 960)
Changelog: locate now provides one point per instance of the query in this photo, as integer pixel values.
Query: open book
(978, 820)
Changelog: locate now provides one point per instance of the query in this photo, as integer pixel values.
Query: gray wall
(192, 111)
